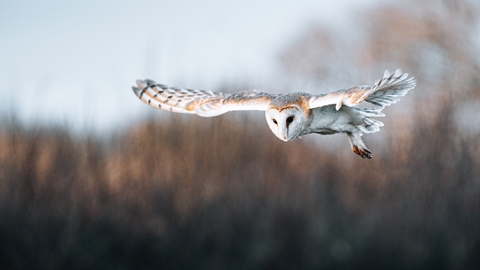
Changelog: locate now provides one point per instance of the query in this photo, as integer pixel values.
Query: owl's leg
(358, 147)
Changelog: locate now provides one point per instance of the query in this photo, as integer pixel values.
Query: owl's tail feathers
(385, 92)
(368, 124)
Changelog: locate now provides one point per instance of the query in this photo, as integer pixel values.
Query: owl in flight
(292, 115)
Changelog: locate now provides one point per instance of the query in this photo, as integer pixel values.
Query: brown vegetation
(226, 194)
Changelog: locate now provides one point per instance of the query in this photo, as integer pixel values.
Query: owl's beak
(284, 135)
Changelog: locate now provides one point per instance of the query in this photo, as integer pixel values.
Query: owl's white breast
(327, 120)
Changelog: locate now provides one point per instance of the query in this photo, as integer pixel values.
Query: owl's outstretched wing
(201, 102)
(383, 93)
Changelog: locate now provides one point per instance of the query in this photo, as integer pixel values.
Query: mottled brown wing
(201, 102)
(383, 93)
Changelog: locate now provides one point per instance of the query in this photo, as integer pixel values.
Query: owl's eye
(290, 119)
(275, 121)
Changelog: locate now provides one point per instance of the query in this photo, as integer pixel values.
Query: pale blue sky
(75, 61)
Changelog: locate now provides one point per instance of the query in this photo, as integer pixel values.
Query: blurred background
(92, 177)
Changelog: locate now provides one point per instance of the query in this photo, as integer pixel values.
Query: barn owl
(292, 115)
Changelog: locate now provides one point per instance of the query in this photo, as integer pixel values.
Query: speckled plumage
(292, 115)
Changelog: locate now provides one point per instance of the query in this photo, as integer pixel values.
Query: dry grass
(223, 193)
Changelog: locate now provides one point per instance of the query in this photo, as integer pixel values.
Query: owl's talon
(363, 152)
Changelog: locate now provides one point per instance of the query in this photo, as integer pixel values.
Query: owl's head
(286, 122)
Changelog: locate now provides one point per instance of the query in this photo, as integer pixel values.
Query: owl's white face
(286, 123)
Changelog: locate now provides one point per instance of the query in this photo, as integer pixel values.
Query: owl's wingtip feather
(150, 82)
(142, 83)
(136, 91)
